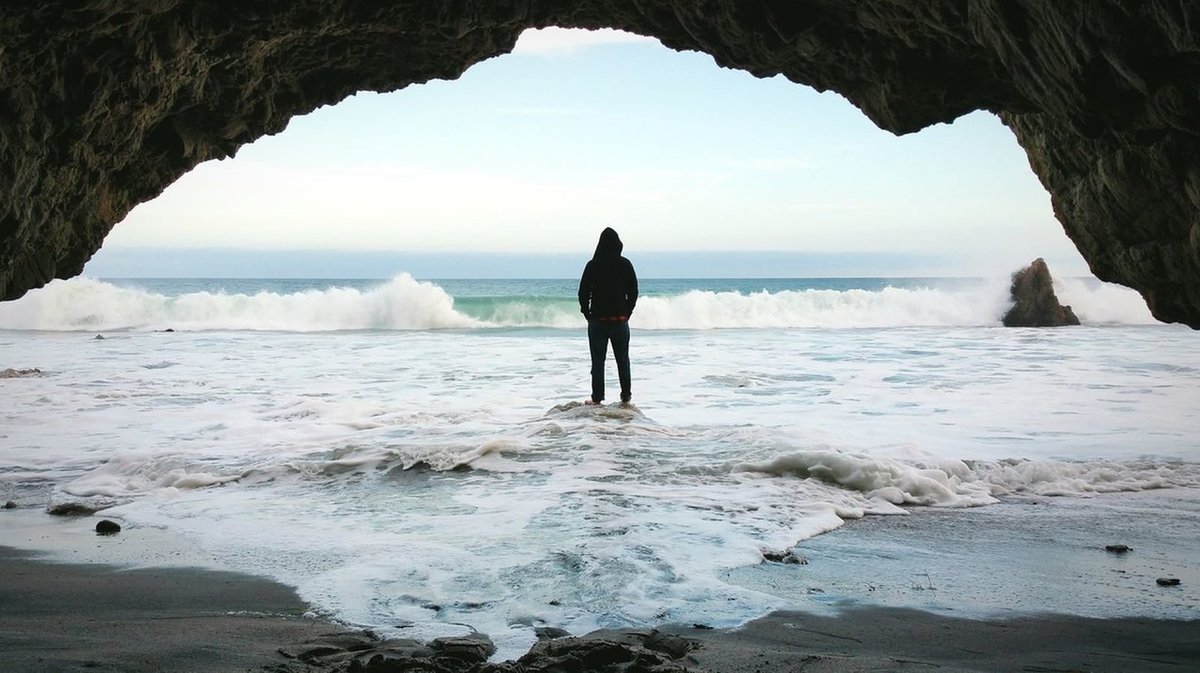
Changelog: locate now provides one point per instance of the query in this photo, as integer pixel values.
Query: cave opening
(251, 378)
(526, 156)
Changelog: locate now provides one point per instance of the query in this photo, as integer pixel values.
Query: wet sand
(897, 639)
(91, 617)
(66, 617)
(1009, 584)
(1023, 556)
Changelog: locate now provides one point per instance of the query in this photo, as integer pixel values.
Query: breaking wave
(85, 304)
(954, 483)
(407, 304)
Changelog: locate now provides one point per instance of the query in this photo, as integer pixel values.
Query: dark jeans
(599, 334)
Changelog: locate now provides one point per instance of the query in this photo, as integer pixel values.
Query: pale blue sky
(536, 151)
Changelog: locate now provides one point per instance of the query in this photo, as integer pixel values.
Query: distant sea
(413, 457)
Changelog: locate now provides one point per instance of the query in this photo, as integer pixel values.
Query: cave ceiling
(103, 104)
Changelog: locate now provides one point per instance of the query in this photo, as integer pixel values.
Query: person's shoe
(625, 400)
(590, 401)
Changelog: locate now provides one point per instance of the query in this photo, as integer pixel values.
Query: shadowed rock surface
(105, 103)
(1034, 301)
(609, 651)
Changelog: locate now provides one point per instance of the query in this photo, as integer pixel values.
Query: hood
(609, 245)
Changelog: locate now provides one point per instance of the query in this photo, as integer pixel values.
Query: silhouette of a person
(608, 292)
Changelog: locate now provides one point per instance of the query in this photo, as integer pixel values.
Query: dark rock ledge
(103, 104)
(609, 651)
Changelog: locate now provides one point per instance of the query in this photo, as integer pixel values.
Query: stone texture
(105, 103)
(606, 651)
(19, 373)
(107, 527)
(475, 648)
(634, 651)
(1034, 301)
(71, 509)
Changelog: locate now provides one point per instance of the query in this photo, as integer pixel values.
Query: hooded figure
(608, 292)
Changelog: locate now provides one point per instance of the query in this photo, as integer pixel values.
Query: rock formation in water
(11, 373)
(1034, 301)
(103, 104)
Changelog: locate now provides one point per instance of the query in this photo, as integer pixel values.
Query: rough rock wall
(103, 103)
(1034, 301)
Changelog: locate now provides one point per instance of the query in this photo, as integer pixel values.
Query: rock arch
(103, 104)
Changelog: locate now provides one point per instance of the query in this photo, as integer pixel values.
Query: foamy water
(413, 465)
(407, 304)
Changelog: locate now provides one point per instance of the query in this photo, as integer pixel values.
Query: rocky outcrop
(71, 509)
(635, 651)
(1034, 301)
(103, 104)
(19, 373)
(610, 651)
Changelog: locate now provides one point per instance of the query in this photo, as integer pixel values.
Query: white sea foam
(959, 484)
(881, 479)
(406, 304)
(889, 307)
(85, 304)
(124, 476)
(1096, 303)
(1059, 478)
(702, 309)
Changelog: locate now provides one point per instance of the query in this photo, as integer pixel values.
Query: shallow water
(418, 480)
(1025, 555)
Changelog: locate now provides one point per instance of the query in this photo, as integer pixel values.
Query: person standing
(608, 292)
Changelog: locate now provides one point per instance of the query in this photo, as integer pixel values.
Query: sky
(514, 168)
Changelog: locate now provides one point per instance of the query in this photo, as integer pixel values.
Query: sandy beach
(91, 617)
(67, 617)
(59, 616)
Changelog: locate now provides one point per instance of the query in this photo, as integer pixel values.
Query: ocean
(414, 458)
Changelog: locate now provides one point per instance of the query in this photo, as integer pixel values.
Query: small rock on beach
(784, 557)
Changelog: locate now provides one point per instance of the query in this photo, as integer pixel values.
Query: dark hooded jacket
(608, 289)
